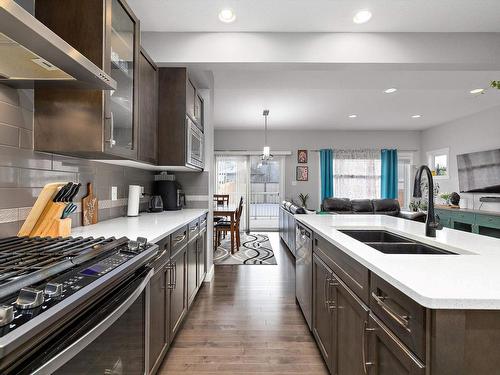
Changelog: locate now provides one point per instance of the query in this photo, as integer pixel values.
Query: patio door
(266, 192)
(231, 177)
(259, 183)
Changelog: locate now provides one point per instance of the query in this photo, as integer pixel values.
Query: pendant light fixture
(266, 151)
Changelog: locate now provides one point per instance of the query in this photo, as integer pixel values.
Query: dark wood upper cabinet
(148, 109)
(92, 123)
(178, 146)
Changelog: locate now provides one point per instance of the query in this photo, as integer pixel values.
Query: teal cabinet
(474, 222)
(444, 218)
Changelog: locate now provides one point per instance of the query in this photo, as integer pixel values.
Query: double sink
(390, 243)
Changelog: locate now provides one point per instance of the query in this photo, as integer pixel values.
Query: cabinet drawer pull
(179, 239)
(363, 347)
(402, 320)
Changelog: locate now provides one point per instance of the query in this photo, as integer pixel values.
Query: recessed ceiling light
(353, 116)
(391, 90)
(477, 91)
(416, 116)
(227, 15)
(362, 16)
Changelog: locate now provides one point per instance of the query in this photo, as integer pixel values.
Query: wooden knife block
(44, 219)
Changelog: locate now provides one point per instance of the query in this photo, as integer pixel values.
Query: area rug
(255, 250)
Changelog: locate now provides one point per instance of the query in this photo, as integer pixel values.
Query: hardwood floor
(246, 322)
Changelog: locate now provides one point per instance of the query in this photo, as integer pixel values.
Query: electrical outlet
(114, 193)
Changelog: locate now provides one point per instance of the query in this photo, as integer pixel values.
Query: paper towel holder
(135, 193)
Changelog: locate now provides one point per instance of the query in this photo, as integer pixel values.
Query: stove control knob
(29, 298)
(133, 246)
(142, 242)
(53, 290)
(6, 315)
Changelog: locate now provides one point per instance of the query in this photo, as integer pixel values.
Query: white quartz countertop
(470, 280)
(153, 226)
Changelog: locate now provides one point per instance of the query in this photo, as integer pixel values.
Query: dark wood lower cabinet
(322, 321)
(179, 273)
(192, 272)
(387, 355)
(351, 339)
(159, 316)
(200, 259)
(351, 319)
(178, 290)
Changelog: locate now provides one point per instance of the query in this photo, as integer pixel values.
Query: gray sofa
(369, 207)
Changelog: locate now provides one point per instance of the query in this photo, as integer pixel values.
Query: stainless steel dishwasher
(303, 270)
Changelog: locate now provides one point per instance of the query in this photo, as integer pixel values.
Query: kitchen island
(381, 313)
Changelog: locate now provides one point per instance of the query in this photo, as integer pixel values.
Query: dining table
(229, 211)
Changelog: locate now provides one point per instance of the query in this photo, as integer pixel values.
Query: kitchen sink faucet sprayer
(432, 222)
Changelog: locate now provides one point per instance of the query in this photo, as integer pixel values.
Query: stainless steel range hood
(31, 52)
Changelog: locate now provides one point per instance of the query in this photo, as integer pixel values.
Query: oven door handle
(68, 353)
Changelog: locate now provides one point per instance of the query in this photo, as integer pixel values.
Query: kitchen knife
(67, 197)
(62, 191)
(67, 192)
(75, 193)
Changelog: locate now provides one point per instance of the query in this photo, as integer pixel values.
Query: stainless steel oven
(195, 145)
(109, 338)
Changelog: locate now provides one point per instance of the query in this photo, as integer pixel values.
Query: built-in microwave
(195, 145)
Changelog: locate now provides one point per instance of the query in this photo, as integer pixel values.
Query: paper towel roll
(134, 197)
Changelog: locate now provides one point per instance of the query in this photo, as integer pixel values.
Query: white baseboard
(209, 277)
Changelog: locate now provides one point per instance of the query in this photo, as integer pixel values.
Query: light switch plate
(114, 193)
(294, 183)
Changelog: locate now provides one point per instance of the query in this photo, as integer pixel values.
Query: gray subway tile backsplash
(24, 172)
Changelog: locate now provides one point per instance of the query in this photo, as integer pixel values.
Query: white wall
(478, 132)
(253, 140)
(458, 51)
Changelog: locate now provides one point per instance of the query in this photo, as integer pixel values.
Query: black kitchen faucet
(432, 222)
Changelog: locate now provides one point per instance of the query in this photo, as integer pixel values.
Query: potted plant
(446, 197)
(303, 200)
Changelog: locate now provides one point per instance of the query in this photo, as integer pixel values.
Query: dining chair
(221, 199)
(224, 226)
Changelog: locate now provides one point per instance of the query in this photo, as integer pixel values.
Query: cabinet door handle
(111, 139)
(333, 283)
(174, 268)
(325, 290)
(168, 268)
(363, 348)
(402, 320)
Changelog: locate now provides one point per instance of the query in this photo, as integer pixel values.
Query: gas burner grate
(22, 256)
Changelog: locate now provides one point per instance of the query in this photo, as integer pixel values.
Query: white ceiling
(319, 15)
(323, 99)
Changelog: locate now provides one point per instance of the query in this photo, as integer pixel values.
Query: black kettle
(156, 204)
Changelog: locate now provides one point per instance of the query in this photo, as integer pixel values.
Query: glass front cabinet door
(121, 104)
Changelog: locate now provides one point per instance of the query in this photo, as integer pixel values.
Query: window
(438, 163)
(405, 183)
(357, 174)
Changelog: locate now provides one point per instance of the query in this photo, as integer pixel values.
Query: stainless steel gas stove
(63, 299)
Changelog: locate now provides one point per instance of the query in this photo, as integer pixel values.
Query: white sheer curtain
(356, 174)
